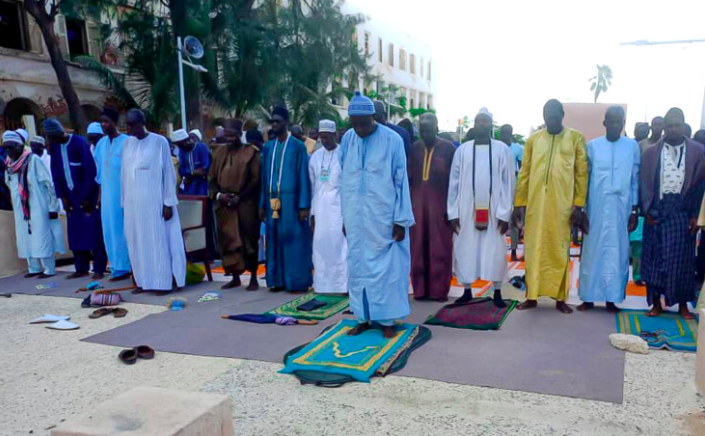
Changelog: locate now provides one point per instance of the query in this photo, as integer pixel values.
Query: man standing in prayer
(234, 186)
(480, 207)
(285, 203)
(95, 134)
(656, 134)
(74, 171)
(152, 226)
(37, 227)
(432, 236)
(550, 198)
(517, 150)
(330, 248)
(377, 216)
(641, 131)
(39, 147)
(194, 163)
(613, 162)
(672, 186)
(381, 118)
(298, 133)
(108, 158)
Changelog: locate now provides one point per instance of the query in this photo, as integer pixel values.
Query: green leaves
(601, 81)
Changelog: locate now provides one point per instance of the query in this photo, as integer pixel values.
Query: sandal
(100, 312)
(119, 312)
(144, 352)
(128, 357)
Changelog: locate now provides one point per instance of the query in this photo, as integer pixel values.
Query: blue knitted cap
(360, 106)
(52, 126)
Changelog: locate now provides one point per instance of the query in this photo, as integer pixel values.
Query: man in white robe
(35, 206)
(148, 196)
(330, 247)
(480, 197)
(377, 215)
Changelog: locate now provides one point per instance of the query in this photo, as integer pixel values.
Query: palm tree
(601, 81)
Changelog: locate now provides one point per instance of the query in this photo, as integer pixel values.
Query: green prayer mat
(334, 304)
(478, 314)
(668, 330)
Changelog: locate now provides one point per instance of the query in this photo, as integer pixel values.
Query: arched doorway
(20, 107)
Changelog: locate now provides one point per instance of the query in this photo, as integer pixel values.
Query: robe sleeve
(312, 178)
(98, 157)
(205, 156)
(213, 187)
(581, 173)
(634, 188)
(403, 215)
(168, 175)
(57, 170)
(454, 186)
(265, 178)
(701, 217)
(506, 174)
(123, 167)
(90, 188)
(522, 192)
(44, 178)
(304, 200)
(251, 184)
(184, 170)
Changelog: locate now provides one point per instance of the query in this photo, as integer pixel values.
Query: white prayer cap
(38, 140)
(179, 135)
(95, 129)
(197, 133)
(23, 133)
(484, 111)
(10, 136)
(326, 126)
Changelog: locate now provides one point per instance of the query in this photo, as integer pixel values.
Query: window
(402, 59)
(421, 66)
(367, 44)
(412, 64)
(428, 72)
(390, 55)
(379, 50)
(76, 36)
(13, 27)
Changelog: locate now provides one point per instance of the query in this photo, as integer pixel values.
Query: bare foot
(612, 308)
(585, 307)
(656, 310)
(563, 308)
(361, 327)
(389, 331)
(528, 304)
(684, 312)
(254, 283)
(234, 283)
(98, 276)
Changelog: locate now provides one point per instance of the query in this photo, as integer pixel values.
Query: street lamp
(191, 48)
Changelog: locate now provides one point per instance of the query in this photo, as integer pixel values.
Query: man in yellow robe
(550, 198)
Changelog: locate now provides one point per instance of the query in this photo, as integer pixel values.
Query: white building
(398, 58)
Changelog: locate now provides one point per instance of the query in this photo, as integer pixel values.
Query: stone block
(631, 343)
(146, 411)
(700, 358)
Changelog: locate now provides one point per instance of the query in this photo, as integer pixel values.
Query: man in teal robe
(285, 203)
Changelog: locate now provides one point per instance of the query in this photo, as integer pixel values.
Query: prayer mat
(478, 314)
(334, 304)
(357, 357)
(668, 330)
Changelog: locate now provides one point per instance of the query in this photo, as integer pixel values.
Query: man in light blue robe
(377, 214)
(613, 196)
(108, 158)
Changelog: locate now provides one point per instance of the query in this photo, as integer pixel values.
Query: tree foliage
(601, 81)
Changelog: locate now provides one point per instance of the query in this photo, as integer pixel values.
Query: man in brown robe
(430, 162)
(234, 182)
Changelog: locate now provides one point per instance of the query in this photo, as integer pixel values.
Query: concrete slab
(146, 411)
(700, 362)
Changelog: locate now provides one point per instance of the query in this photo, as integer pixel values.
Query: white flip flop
(50, 318)
(63, 325)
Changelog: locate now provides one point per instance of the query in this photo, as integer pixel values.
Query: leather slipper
(144, 352)
(128, 357)
(119, 312)
(100, 312)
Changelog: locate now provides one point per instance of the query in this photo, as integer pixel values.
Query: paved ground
(47, 376)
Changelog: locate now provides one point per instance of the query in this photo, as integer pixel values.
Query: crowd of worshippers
(364, 212)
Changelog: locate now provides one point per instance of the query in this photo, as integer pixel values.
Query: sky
(512, 56)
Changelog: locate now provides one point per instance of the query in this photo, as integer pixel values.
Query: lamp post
(196, 52)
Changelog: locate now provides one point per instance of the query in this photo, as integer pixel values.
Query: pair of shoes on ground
(56, 322)
(40, 275)
(118, 312)
(129, 356)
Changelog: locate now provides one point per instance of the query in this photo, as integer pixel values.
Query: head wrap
(111, 114)
(281, 111)
(38, 140)
(23, 133)
(95, 129)
(675, 113)
(484, 111)
(12, 136)
(179, 135)
(360, 106)
(326, 126)
(253, 135)
(197, 133)
(52, 126)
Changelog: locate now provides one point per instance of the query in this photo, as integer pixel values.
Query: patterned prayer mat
(479, 314)
(348, 358)
(668, 330)
(334, 304)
